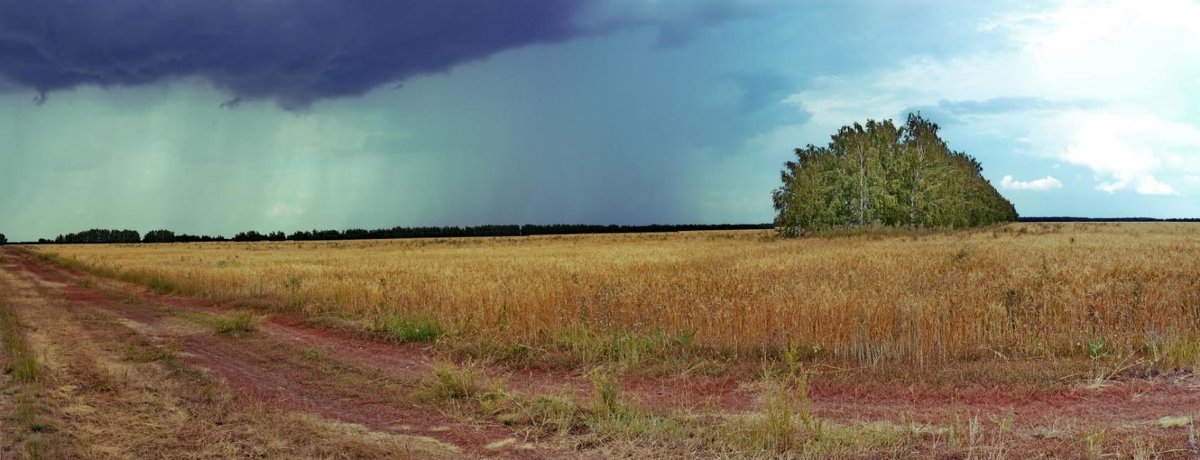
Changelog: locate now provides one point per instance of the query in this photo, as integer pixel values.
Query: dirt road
(131, 374)
(128, 373)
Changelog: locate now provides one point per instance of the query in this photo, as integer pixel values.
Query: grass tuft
(1174, 422)
(588, 347)
(237, 323)
(546, 414)
(608, 394)
(405, 328)
(23, 367)
(142, 350)
(451, 382)
(787, 421)
(21, 363)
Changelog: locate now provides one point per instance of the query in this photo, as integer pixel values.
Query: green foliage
(236, 323)
(159, 236)
(20, 361)
(407, 328)
(549, 414)
(588, 346)
(3, 239)
(883, 174)
(449, 381)
(159, 284)
(144, 351)
(24, 369)
(608, 393)
(787, 423)
(97, 236)
(1095, 348)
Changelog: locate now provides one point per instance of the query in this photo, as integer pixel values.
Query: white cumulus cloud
(1148, 185)
(1128, 151)
(1108, 86)
(1037, 185)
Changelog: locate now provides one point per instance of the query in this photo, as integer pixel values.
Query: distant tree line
(883, 174)
(97, 236)
(168, 236)
(1104, 219)
(3, 239)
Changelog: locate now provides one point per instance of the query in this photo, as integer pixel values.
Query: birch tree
(878, 173)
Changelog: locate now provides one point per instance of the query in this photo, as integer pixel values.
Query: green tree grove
(100, 236)
(880, 173)
(159, 236)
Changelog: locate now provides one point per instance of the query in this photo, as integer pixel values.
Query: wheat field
(1018, 290)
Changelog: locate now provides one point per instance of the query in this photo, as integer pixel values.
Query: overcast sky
(227, 115)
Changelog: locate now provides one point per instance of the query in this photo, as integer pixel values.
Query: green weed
(589, 347)
(236, 323)
(449, 381)
(21, 363)
(405, 328)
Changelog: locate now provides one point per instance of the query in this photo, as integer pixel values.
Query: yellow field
(1019, 290)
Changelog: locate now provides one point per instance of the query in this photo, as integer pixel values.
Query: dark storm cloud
(292, 51)
(761, 89)
(678, 22)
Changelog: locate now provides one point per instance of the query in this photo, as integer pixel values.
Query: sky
(229, 115)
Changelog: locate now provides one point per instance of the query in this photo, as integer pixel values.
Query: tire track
(264, 369)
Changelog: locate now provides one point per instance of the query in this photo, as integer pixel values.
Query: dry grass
(784, 427)
(106, 390)
(236, 323)
(19, 360)
(1000, 293)
(28, 437)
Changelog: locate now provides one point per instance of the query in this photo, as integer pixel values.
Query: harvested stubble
(1019, 290)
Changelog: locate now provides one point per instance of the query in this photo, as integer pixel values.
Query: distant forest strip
(1103, 219)
(101, 236)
